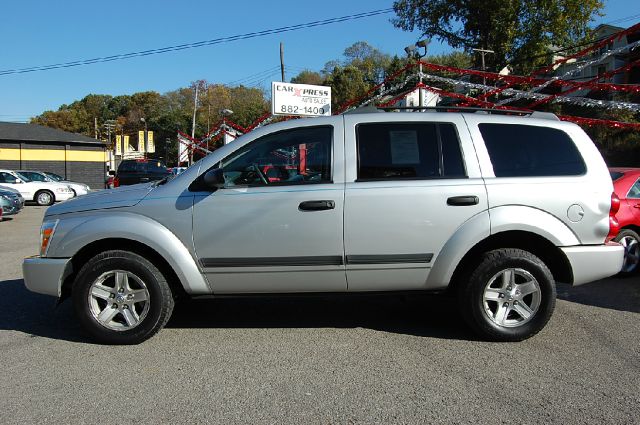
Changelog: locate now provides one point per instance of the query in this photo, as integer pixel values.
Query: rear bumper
(45, 275)
(594, 262)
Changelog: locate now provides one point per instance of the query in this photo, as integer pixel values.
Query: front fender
(74, 233)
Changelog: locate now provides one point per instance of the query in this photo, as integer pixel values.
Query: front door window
(289, 157)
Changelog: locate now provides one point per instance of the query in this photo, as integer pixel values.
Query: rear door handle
(458, 201)
(316, 205)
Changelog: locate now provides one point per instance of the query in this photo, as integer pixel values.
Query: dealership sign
(300, 99)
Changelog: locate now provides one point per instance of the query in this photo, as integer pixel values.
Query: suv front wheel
(121, 298)
(510, 295)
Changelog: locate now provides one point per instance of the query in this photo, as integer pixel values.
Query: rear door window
(530, 151)
(396, 151)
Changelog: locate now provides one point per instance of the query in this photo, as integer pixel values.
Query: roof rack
(443, 108)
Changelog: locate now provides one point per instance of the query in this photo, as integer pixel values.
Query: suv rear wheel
(510, 295)
(121, 298)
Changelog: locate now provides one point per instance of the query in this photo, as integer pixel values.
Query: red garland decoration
(518, 79)
(594, 121)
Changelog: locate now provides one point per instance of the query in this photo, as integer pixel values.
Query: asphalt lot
(296, 360)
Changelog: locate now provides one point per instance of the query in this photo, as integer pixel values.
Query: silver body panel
(591, 263)
(45, 275)
(381, 235)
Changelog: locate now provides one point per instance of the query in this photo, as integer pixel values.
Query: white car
(43, 193)
(44, 176)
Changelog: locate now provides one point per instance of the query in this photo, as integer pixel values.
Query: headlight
(46, 233)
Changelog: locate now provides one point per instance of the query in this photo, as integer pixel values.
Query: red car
(626, 183)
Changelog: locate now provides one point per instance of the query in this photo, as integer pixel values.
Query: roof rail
(458, 109)
(453, 108)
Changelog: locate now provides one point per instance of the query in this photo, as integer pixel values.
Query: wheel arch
(633, 227)
(82, 237)
(550, 254)
(96, 247)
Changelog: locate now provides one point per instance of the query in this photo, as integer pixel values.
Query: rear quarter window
(518, 150)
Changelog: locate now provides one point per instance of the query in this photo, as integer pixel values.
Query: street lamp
(414, 52)
(225, 113)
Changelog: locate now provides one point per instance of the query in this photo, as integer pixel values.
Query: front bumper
(63, 196)
(594, 262)
(45, 275)
(12, 207)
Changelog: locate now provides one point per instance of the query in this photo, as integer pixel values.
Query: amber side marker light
(46, 233)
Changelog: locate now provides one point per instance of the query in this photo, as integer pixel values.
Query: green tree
(520, 32)
(308, 77)
(347, 84)
(456, 59)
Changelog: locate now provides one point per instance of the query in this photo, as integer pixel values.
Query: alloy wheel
(118, 300)
(512, 297)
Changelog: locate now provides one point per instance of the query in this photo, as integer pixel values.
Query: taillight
(116, 182)
(614, 225)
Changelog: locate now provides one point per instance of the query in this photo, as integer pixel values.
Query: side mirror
(214, 178)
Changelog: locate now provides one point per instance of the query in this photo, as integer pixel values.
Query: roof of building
(39, 133)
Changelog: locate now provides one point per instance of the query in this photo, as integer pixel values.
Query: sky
(44, 32)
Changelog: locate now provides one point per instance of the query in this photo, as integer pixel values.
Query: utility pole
(482, 53)
(193, 124)
(110, 125)
(95, 128)
(282, 61)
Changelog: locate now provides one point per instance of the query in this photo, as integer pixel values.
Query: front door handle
(316, 205)
(462, 200)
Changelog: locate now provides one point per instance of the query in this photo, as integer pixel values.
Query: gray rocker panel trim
(389, 259)
(328, 260)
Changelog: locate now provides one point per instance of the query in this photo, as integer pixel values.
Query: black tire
(44, 198)
(631, 242)
(503, 319)
(93, 311)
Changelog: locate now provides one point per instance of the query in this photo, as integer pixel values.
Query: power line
(252, 76)
(214, 41)
(623, 19)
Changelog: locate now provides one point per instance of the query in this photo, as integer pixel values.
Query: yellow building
(34, 147)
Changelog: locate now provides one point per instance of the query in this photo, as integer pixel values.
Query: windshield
(32, 176)
(23, 177)
(615, 175)
(54, 176)
(153, 167)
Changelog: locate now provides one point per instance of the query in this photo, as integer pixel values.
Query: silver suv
(495, 208)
